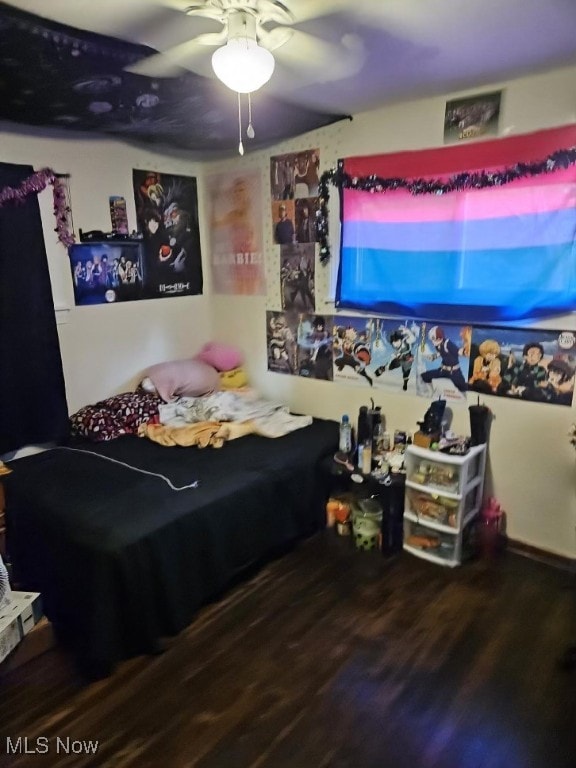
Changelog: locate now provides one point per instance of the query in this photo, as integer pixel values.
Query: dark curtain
(33, 408)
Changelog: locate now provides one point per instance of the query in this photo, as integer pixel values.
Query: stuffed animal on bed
(234, 379)
(223, 357)
(228, 362)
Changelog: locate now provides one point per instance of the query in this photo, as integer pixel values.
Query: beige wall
(106, 347)
(532, 468)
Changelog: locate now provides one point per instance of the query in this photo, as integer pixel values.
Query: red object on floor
(491, 525)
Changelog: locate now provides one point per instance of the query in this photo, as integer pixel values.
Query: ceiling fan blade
(186, 6)
(172, 61)
(201, 10)
(275, 38)
(277, 13)
(323, 61)
(305, 10)
(388, 14)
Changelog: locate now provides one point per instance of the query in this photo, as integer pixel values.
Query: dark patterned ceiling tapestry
(56, 76)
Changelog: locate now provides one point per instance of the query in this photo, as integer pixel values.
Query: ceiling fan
(268, 24)
(243, 59)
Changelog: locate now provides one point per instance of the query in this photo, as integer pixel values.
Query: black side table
(390, 494)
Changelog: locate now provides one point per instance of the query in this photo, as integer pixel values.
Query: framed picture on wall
(471, 117)
(106, 273)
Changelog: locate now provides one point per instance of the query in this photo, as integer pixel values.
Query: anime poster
(106, 273)
(167, 214)
(235, 215)
(378, 351)
(314, 342)
(394, 345)
(442, 361)
(297, 277)
(402, 356)
(352, 339)
(281, 336)
(524, 364)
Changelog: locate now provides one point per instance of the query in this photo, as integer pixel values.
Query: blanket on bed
(269, 418)
(215, 418)
(203, 434)
(122, 557)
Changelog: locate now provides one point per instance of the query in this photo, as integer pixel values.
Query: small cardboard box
(9, 636)
(423, 440)
(39, 640)
(18, 618)
(10, 611)
(29, 608)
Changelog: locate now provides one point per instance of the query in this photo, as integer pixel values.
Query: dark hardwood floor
(332, 658)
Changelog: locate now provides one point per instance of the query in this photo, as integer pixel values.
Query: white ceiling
(366, 53)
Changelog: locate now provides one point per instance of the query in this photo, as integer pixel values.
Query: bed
(126, 539)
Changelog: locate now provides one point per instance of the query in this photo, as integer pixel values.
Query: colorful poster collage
(294, 180)
(428, 360)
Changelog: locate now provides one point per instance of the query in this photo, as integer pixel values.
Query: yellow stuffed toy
(235, 378)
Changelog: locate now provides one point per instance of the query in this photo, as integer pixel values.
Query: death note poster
(167, 213)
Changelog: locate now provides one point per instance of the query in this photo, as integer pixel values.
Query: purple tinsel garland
(33, 185)
(563, 158)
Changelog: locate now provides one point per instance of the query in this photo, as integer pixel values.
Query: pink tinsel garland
(33, 185)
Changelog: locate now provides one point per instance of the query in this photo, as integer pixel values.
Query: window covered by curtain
(33, 407)
(486, 233)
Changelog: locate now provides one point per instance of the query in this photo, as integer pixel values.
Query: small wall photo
(472, 117)
(283, 218)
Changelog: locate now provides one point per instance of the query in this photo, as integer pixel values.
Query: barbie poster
(236, 252)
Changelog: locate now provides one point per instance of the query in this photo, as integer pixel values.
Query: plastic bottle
(387, 442)
(366, 462)
(345, 443)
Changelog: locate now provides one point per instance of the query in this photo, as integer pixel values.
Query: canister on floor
(367, 523)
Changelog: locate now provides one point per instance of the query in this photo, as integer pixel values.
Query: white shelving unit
(443, 495)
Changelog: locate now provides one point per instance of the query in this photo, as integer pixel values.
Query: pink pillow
(223, 357)
(183, 378)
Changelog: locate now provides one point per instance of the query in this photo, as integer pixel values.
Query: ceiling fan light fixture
(243, 65)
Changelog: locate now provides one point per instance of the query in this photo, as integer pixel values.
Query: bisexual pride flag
(503, 252)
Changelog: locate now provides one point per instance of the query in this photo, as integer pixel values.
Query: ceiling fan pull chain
(240, 145)
(250, 130)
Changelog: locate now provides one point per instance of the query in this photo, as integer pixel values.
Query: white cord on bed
(128, 466)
